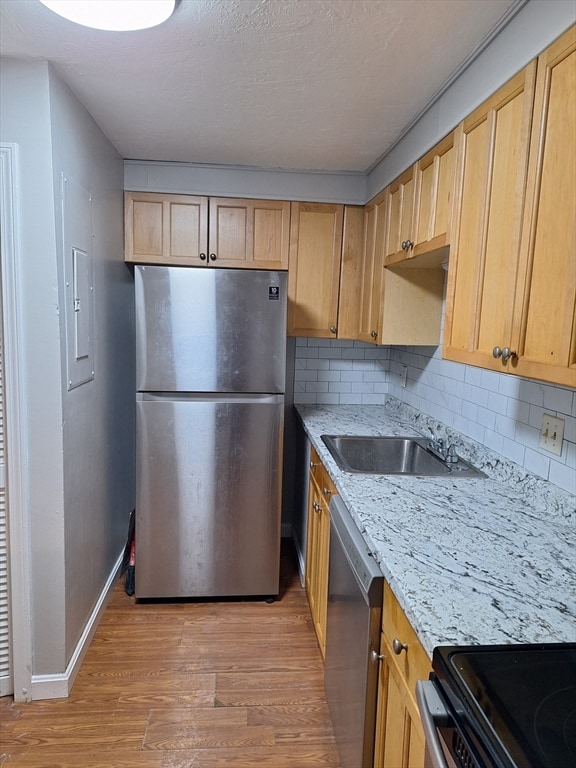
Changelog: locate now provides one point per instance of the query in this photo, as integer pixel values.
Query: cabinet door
(493, 155)
(546, 298)
(372, 270)
(314, 273)
(313, 548)
(434, 186)
(165, 229)
(320, 491)
(317, 557)
(400, 737)
(249, 233)
(400, 216)
(350, 272)
(400, 740)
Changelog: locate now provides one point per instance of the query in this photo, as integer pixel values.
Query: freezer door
(208, 495)
(210, 330)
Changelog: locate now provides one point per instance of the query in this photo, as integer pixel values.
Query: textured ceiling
(299, 84)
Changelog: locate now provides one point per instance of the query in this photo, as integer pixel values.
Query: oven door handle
(433, 714)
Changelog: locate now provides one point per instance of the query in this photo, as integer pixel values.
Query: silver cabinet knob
(496, 352)
(398, 646)
(508, 354)
(407, 245)
(373, 334)
(326, 491)
(212, 257)
(312, 465)
(333, 329)
(202, 257)
(376, 657)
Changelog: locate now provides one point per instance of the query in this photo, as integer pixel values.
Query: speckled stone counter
(490, 560)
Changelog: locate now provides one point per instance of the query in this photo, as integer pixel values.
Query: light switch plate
(551, 434)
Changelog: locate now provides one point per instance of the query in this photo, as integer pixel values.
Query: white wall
(532, 29)
(259, 183)
(80, 444)
(99, 415)
(25, 120)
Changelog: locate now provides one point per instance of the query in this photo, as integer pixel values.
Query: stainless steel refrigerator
(210, 369)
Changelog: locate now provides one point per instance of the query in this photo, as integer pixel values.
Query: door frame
(19, 554)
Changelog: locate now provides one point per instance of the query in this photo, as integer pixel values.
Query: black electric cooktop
(518, 700)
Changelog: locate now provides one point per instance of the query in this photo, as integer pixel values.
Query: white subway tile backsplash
(493, 440)
(558, 399)
(569, 427)
(328, 375)
(518, 410)
(562, 475)
(513, 450)
(331, 354)
(535, 416)
(501, 411)
(571, 455)
(306, 352)
(307, 374)
(532, 392)
(537, 463)
(498, 403)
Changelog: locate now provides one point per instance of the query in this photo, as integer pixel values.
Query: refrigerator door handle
(201, 397)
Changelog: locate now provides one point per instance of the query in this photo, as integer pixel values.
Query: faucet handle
(451, 457)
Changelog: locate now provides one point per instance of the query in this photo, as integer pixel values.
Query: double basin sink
(395, 456)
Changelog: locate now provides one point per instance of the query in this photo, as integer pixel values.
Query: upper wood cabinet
(400, 216)
(165, 229)
(544, 320)
(369, 321)
(399, 305)
(511, 293)
(249, 233)
(419, 207)
(325, 270)
(434, 198)
(195, 231)
(484, 253)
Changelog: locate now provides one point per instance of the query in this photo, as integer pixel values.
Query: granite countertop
(471, 561)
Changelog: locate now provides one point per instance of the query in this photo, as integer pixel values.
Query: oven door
(434, 716)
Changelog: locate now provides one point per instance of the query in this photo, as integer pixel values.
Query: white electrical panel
(78, 282)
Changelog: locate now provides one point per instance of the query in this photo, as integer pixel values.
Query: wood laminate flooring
(224, 684)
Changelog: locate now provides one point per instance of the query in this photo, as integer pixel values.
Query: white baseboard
(58, 686)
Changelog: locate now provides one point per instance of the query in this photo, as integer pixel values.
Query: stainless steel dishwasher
(355, 585)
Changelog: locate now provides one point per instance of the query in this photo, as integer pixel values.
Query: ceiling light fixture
(113, 15)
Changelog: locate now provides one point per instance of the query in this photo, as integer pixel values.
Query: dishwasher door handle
(433, 713)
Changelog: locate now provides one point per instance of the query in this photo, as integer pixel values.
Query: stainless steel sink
(371, 455)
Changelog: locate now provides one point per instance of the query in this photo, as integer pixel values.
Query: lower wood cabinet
(320, 490)
(400, 738)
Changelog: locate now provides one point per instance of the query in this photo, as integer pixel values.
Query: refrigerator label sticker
(273, 293)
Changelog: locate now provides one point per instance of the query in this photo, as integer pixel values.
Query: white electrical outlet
(404, 375)
(551, 434)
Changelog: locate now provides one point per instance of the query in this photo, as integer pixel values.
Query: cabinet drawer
(412, 662)
(320, 475)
